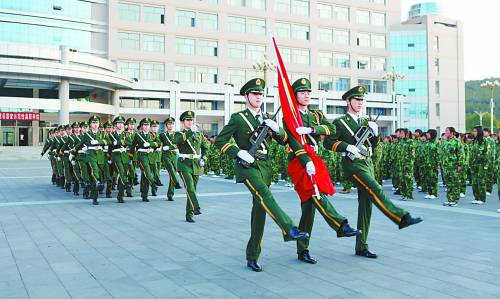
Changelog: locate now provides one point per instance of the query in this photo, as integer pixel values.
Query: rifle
(261, 133)
(363, 135)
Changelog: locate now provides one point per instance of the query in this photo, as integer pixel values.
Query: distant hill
(478, 99)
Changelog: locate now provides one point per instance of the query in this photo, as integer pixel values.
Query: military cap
(355, 92)
(119, 119)
(61, 128)
(302, 84)
(187, 115)
(145, 121)
(75, 125)
(84, 125)
(94, 118)
(67, 127)
(130, 120)
(108, 124)
(254, 85)
(154, 122)
(169, 120)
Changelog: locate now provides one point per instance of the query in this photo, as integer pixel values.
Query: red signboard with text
(33, 116)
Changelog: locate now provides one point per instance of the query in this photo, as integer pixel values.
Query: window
(184, 18)
(436, 65)
(295, 76)
(255, 52)
(341, 37)
(184, 73)
(363, 39)
(286, 54)
(325, 58)
(378, 41)
(411, 67)
(438, 109)
(363, 62)
(411, 45)
(206, 48)
(437, 87)
(129, 12)
(342, 61)
(129, 41)
(436, 43)
(257, 4)
(153, 43)
(207, 21)
(366, 83)
(378, 19)
(154, 15)
(236, 3)
(154, 71)
(236, 50)
(185, 46)
(282, 6)
(236, 24)
(325, 35)
(379, 86)
(300, 32)
(363, 17)
(342, 84)
(325, 82)
(283, 30)
(236, 76)
(206, 74)
(300, 7)
(300, 56)
(256, 26)
(378, 64)
(324, 11)
(340, 13)
(129, 69)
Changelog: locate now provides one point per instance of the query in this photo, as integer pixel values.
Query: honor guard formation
(96, 159)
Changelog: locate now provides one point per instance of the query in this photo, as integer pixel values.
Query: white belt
(93, 148)
(145, 150)
(264, 151)
(81, 152)
(158, 149)
(189, 156)
(66, 152)
(121, 149)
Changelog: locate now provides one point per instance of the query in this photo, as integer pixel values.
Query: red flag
(305, 186)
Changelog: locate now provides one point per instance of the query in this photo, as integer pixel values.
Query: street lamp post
(392, 76)
(480, 113)
(491, 85)
(264, 65)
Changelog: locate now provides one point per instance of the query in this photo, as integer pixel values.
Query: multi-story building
(157, 58)
(428, 50)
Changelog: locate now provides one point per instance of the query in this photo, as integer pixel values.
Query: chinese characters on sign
(33, 116)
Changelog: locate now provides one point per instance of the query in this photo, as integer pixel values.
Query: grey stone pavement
(55, 245)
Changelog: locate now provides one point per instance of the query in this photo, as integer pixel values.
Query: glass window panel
(184, 73)
(207, 21)
(363, 39)
(154, 71)
(324, 11)
(300, 56)
(342, 60)
(300, 7)
(236, 76)
(184, 18)
(363, 62)
(257, 4)
(379, 86)
(206, 75)
(282, 6)
(129, 41)
(378, 19)
(325, 35)
(340, 13)
(256, 26)
(236, 24)
(185, 46)
(286, 54)
(363, 17)
(325, 82)
(206, 48)
(300, 32)
(129, 69)
(325, 58)
(129, 12)
(154, 15)
(153, 43)
(341, 37)
(236, 50)
(283, 30)
(255, 52)
(378, 41)
(366, 83)
(295, 76)
(378, 63)
(236, 3)
(342, 84)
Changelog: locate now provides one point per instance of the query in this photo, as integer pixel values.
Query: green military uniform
(315, 120)
(479, 161)
(453, 159)
(155, 157)
(132, 154)
(91, 143)
(190, 144)
(169, 158)
(116, 142)
(497, 164)
(490, 177)
(228, 165)
(64, 151)
(432, 162)
(257, 177)
(76, 172)
(407, 157)
(361, 172)
(144, 144)
(80, 160)
(46, 148)
(107, 167)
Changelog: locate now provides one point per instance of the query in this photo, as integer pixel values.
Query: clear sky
(481, 20)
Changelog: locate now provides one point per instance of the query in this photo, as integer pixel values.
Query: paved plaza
(55, 245)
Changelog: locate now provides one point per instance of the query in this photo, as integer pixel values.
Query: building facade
(428, 50)
(67, 59)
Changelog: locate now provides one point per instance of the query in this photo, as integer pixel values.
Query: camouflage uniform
(480, 154)
(407, 163)
(432, 158)
(452, 157)
(490, 177)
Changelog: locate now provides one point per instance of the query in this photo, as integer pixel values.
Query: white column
(115, 101)
(64, 101)
(228, 102)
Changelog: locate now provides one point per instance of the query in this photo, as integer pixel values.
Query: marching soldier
(169, 156)
(64, 151)
(130, 135)
(108, 162)
(91, 143)
(47, 148)
(257, 177)
(80, 159)
(191, 145)
(360, 170)
(116, 141)
(77, 173)
(155, 156)
(144, 144)
(452, 154)
(314, 124)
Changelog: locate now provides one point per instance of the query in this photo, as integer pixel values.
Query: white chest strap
(251, 127)
(347, 127)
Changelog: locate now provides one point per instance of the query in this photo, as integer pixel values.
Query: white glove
(373, 125)
(106, 148)
(73, 163)
(146, 144)
(272, 125)
(304, 130)
(202, 162)
(58, 158)
(311, 170)
(166, 148)
(194, 128)
(115, 142)
(94, 142)
(71, 157)
(109, 162)
(354, 150)
(245, 156)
